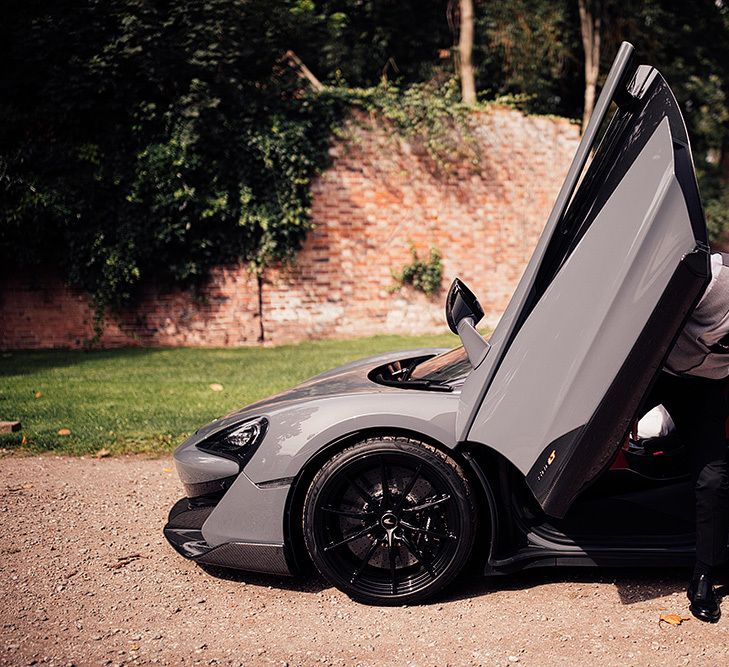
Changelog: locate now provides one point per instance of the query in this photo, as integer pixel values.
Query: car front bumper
(226, 519)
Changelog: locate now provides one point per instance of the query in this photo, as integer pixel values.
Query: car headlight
(237, 442)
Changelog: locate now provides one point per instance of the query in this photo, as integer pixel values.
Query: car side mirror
(463, 313)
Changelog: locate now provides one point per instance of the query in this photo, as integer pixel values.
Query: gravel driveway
(87, 578)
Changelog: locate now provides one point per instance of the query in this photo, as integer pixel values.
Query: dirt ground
(87, 578)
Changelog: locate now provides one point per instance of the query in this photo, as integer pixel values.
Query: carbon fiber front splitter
(184, 533)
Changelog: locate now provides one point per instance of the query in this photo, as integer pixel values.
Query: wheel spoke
(417, 555)
(409, 487)
(426, 505)
(358, 488)
(427, 531)
(393, 573)
(385, 484)
(367, 559)
(349, 538)
(352, 514)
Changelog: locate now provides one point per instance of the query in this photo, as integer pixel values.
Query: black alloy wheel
(390, 520)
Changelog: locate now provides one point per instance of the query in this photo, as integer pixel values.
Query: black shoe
(704, 602)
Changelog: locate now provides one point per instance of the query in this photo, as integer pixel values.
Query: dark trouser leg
(699, 410)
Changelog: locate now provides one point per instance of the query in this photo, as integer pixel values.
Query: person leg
(699, 409)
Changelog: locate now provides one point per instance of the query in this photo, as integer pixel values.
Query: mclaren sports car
(394, 473)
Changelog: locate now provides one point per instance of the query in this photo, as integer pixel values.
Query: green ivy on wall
(423, 275)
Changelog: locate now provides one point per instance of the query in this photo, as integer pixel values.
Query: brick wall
(380, 195)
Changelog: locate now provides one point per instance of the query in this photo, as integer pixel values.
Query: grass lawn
(148, 400)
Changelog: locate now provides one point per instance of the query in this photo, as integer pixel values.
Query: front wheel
(390, 520)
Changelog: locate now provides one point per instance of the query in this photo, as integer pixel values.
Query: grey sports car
(392, 473)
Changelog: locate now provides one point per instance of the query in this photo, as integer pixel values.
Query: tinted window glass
(444, 368)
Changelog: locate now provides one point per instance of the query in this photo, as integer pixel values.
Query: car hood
(348, 379)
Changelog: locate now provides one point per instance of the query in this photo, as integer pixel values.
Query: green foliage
(423, 275)
(530, 51)
(145, 143)
(430, 115)
(363, 41)
(716, 210)
(689, 43)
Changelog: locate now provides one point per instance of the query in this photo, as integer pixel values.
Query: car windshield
(443, 368)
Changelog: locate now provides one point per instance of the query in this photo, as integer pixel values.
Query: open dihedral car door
(622, 261)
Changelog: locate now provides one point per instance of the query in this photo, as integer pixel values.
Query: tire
(392, 543)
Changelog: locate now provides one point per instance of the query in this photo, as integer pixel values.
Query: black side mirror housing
(461, 302)
(463, 313)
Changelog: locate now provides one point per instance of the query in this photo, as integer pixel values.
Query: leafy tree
(529, 51)
(532, 52)
(360, 41)
(145, 142)
(151, 141)
(689, 43)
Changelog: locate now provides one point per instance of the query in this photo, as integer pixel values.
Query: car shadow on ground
(308, 582)
(632, 584)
